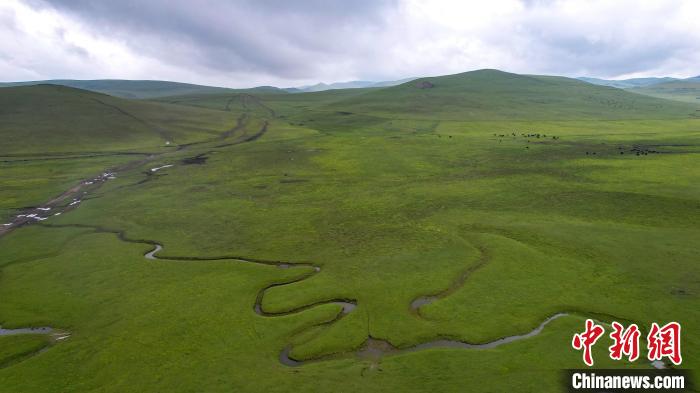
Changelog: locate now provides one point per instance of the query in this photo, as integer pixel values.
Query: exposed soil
(247, 102)
(240, 124)
(199, 159)
(250, 138)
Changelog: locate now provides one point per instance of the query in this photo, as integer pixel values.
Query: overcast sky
(246, 43)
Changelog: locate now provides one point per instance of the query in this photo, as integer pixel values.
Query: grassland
(393, 194)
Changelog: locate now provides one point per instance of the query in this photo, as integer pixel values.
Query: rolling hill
(493, 95)
(142, 89)
(687, 90)
(52, 118)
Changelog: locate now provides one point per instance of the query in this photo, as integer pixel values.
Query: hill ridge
(494, 94)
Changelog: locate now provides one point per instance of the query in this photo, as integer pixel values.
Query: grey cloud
(287, 38)
(565, 44)
(246, 42)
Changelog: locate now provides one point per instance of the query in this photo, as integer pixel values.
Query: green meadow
(523, 196)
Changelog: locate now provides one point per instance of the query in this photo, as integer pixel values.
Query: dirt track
(64, 202)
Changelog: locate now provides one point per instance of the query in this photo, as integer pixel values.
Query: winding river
(372, 347)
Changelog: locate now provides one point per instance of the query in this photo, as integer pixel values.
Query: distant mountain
(495, 95)
(626, 83)
(147, 89)
(685, 90)
(346, 85)
(139, 89)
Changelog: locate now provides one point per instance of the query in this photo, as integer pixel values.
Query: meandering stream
(373, 347)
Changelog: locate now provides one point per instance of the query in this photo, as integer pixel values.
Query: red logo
(662, 342)
(665, 342)
(626, 342)
(586, 340)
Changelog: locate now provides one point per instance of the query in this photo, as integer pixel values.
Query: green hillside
(54, 119)
(138, 88)
(476, 95)
(494, 95)
(687, 90)
(281, 103)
